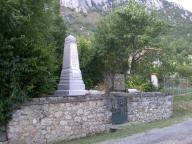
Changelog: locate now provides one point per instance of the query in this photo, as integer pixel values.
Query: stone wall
(46, 120)
(51, 119)
(147, 107)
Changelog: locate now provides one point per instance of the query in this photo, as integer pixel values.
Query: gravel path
(176, 134)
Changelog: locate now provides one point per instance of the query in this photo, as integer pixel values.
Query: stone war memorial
(73, 113)
(71, 83)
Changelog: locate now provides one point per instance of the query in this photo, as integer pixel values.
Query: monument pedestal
(71, 83)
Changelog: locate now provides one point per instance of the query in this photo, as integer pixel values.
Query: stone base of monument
(71, 87)
(62, 93)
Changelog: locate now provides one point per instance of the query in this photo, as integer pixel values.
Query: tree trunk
(112, 81)
(130, 60)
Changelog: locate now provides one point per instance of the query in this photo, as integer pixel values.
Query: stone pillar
(71, 83)
(119, 82)
(154, 80)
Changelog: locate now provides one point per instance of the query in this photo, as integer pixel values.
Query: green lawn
(178, 91)
(182, 110)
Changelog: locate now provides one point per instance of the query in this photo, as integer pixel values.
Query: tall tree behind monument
(124, 35)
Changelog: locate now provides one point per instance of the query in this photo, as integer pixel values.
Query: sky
(186, 4)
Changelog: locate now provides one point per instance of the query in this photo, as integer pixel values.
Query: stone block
(62, 123)
(46, 122)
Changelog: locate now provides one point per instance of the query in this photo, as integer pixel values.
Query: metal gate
(119, 110)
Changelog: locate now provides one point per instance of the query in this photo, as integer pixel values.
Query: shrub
(141, 83)
(89, 63)
(28, 51)
(184, 70)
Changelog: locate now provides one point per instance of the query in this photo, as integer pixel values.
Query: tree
(89, 63)
(29, 45)
(124, 34)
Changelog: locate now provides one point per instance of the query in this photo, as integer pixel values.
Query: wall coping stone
(66, 99)
(145, 94)
(52, 99)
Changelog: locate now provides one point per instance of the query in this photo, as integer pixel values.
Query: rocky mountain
(86, 5)
(82, 16)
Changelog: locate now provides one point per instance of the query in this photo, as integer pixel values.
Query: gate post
(3, 134)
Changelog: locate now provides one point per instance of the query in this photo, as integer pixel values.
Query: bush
(184, 70)
(149, 87)
(141, 83)
(28, 51)
(89, 63)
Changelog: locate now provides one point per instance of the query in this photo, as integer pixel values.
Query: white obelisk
(71, 83)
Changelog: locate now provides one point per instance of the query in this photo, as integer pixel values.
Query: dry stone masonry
(147, 107)
(46, 120)
(51, 119)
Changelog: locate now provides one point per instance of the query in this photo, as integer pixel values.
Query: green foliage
(184, 70)
(31, 36)
(149, 87)
(85, 51)
(141, 83)
(125, 33)
(135, 81)
(179, 53)
(180, 50)
(89, 63)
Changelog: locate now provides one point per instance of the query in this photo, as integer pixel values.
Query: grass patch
(182, 109)
(179, 91)
(182, 98)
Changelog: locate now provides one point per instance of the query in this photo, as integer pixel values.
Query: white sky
(186, 4)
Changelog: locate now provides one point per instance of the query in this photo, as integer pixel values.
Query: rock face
(85, 5)
(90, 12)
